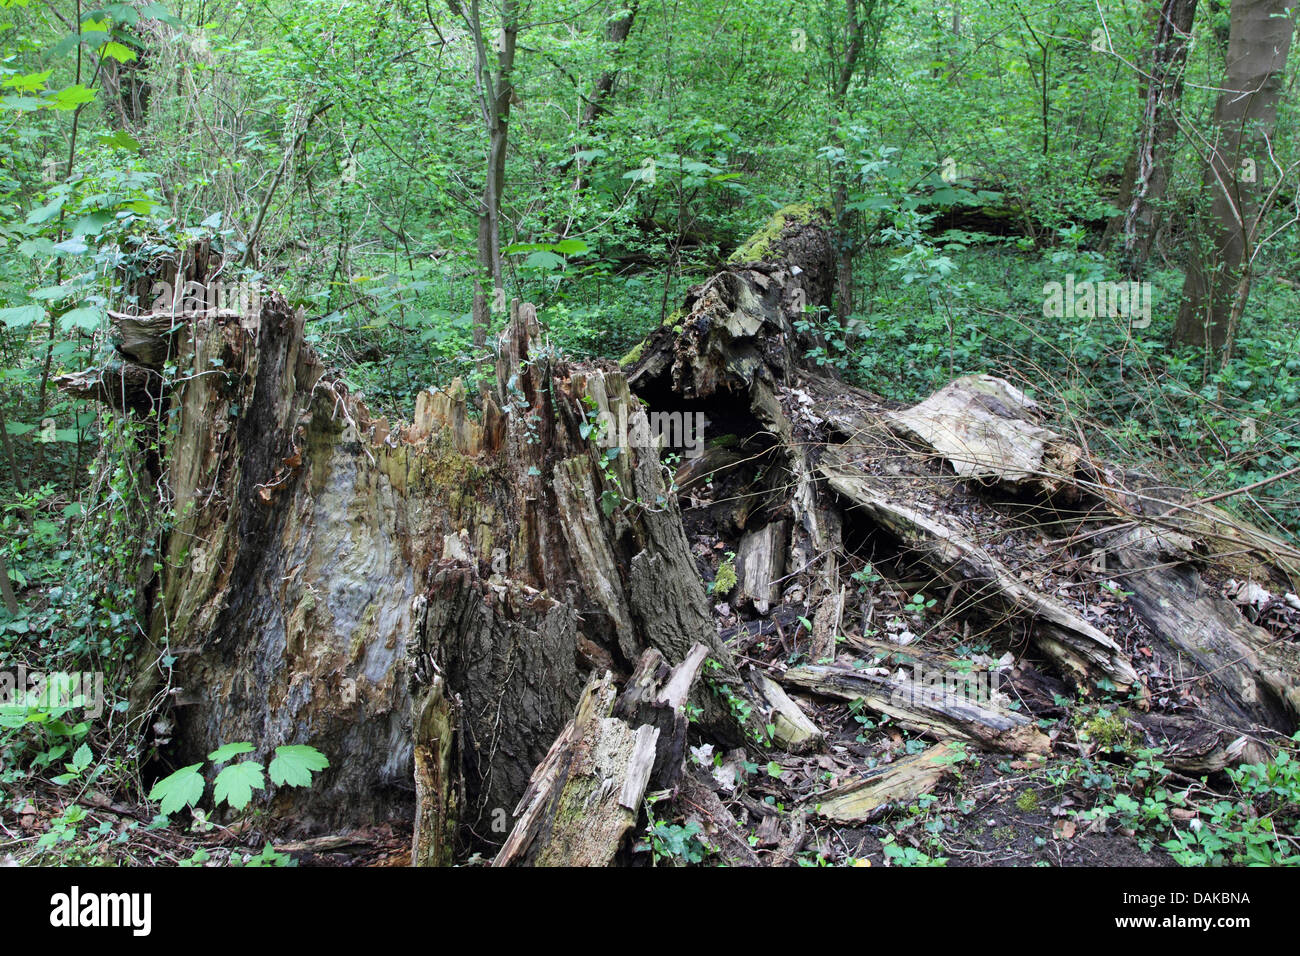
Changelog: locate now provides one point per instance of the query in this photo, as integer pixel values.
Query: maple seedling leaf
(294, 765)
(226, 751)
(236, 783)
(179, 790)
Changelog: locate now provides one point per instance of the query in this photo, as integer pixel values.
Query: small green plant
(1027, 801)
(919, 604)
(896, 855)
(725, 579)
(673, 842)
(865, 578)
(1261, 827)
(292, 766)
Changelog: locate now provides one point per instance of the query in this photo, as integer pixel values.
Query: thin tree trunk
(1148, 170)
(1219, 266)
(495, 92)
(616, 33)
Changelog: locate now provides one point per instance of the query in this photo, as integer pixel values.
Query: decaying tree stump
(834, 474)
(448, 607)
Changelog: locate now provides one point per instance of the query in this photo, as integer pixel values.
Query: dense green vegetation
(338, 151)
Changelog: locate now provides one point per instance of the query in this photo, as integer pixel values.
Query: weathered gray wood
(896, 784)
(986, 428)
(760, 564)
(792, 729)
(586, 794)
(935, 710)
(1080, 648)
(1242, 675)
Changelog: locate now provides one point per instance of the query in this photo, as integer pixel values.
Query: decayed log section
(423, 602)
(945, 481)
(899, 783)
(1245, 681)
(585, 796)
(937, 712)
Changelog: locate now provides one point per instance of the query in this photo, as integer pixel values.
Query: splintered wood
(897, 784)
(585, 796)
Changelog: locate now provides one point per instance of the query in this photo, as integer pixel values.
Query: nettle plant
(293, 765)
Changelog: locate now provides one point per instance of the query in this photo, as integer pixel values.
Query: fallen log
(900, 783)
(937, 709)
(1079, 648)
(1243, 679)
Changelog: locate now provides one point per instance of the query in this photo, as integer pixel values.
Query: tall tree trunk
(1219, 267)
(1148, 170)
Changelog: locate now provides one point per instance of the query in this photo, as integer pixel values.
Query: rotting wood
(586, 794)
(1079, 648)
(896, 784)
(936, 710)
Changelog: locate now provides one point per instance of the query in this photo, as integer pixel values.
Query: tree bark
(1149, 168)
(1219, 268)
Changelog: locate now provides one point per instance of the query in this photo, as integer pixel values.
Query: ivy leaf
(181, 789)
(235, 784)
(294, 765)
(226, 751)
(608, 503)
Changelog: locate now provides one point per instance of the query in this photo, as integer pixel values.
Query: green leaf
(181, 789)
(91, 223)
(21, 316)
(544, 260)
(235, 784)
(156, 11)
(87, 318)
(226, 751)
(71, 97)
(570, 247)
(23, 104)
(52, 293)
(294, 765)
(120, 139)
(81, 759)
(73, 247)
(118, 51)
(47, 212)
(29, 83)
